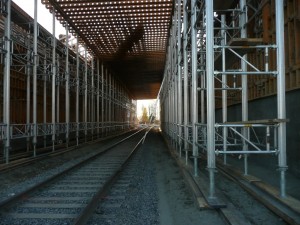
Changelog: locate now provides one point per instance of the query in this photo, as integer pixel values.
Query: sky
(44, 16)
(144, 103)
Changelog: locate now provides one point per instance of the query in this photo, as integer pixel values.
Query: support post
(106, 101)
(45, 77)
(281, 105)
(194, 60)
(244, 78)
(35, 62)
(6, 82)
(67, 88)
(77, 90)
(53, 79)
(211, 163)
(102, 99)
(185, 79)
(92, 107)
(109, 101)
(58, 94)
(98, 98)
(28, 92)
(224, 86)
(85, 95)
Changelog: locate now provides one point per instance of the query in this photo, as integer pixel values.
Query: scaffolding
(210, 59)
(54, 92)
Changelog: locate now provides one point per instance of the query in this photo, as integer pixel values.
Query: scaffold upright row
(57, 78)
(209, 63)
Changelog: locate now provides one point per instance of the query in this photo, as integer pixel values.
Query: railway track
(71, 196)
(95, 192)
(24, 158)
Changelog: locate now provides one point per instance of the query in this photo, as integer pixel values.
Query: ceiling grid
(128, 35)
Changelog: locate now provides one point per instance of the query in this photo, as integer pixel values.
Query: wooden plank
(265, 121)
(245, 42)
(202, 204)
(234, 217)
(288, 200)
(267, 194)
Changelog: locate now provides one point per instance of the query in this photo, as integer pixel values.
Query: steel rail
(276, 205)
(6, 203)
(89, 209)
(43, 154)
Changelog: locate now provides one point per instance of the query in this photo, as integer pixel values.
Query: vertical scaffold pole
(58, 92)
(109, 101)
(244, 78)
(185, 79)
(113, 101)
(224, 86)
(175, 83)
(53, 79)
(102, 99)
(179, 74)
(67, 90)
(98, 97)
(85, 95)
(45, 77)
(281, 105)
(211, 164)
(35, 61)
(77, 90)
(6, 82)
(58, 96)
(106, 101)
(92, 107)
(194, 84)
(28, 91)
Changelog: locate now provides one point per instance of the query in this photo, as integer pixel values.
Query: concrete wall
(266, 108)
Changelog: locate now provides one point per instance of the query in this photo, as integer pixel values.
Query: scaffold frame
(208, 60)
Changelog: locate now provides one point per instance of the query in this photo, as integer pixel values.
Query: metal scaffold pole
(35, 64)
(185, 79)
(98, 97)
(53, 80)
(245, 131)
(281, 105)
(102, 99)
(106, 101)
(92, 99)
(77, 90)
(28, 92)
(58, 92)
(179, 74)
(224, 91)
(194, 84)
(45, 77)
(214, 65)
(85, 95)
(109, 101)
(67, 88)
(211, 163)
(6, 82)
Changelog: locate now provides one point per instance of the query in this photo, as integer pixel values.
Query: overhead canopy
(130, 36)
